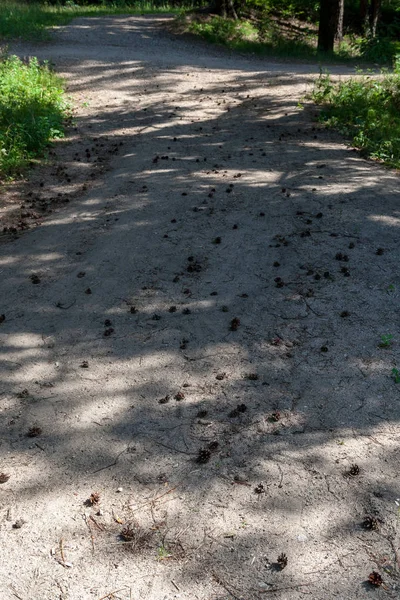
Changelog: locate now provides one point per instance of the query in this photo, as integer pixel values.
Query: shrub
(367, 109)
(32, 111)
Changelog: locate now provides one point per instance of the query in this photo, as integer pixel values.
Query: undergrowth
(32, 112)
(32, 21)
(261, 38)
(267, 36)
(366, 109)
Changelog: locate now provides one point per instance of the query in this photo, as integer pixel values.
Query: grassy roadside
(291, 39)
(33, 21)
(366, 110)
(32, 112)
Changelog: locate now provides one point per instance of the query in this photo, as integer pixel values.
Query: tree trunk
(364, 16)
(374, 15)
(328, 24)
(224, 8)
(339, 29)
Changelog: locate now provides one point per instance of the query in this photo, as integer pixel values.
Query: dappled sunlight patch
(391, 221)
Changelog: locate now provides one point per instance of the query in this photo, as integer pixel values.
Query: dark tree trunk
(364, 16)
(374, 16)
(224, 8)
(328, 24)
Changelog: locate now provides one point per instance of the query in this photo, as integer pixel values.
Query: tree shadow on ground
(280, 228)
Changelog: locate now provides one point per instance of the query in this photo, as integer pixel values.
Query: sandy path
(224, 201)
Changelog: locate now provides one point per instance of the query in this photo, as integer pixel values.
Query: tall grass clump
(366, 109)
(32, 112)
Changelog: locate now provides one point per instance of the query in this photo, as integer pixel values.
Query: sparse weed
(396, 375)
(386, 340)
(163, 553)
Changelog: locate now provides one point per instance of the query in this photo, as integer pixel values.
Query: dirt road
(196, 336)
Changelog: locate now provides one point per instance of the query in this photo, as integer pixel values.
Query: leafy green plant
(163, 553)
(32, 112)
(386, 340)
(396, 375)
(367, 110)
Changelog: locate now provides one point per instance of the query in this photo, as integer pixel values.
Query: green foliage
(396, 375)
(381, 50)
(31, 21)
(367, 109)
(32, 111)
(27, 21)
(245, 36)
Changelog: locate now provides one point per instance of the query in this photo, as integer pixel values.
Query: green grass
(33, 21)
(265, 37)
(367, 110)
(32, 112)
(245, 36)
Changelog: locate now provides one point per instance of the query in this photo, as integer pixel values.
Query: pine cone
(235, 324)
(4, 477)
(213, 445)
(375, 579)
(371, 522)
(282, 560)
(259, 489)
(353, 471)
(34, 431)
(275, 416)
(128, 533)
(203, 456)
(94, 498)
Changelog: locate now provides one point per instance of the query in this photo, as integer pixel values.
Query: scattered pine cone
(164, 400)
(4, 477)
(94, 498)
(179, 396)
(202, 413)
(128, 533)
(275, 416)
(235, 324)
(213, 445)
(251, 376)
(353, 471)
(34, 432)
(282, 560)
(371, 522)
(203, 456)
(259, 489)
(375, 578)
